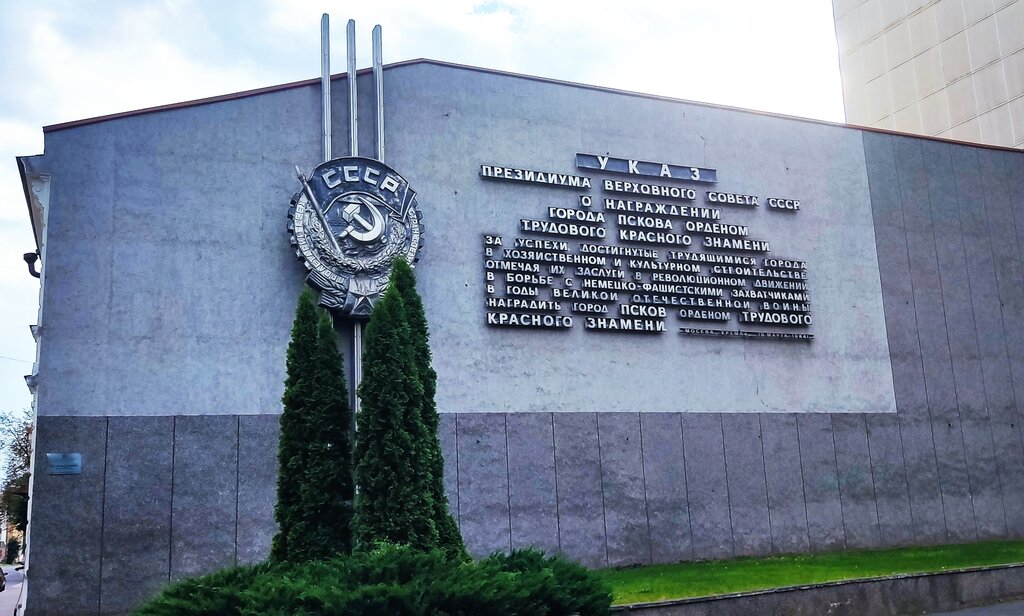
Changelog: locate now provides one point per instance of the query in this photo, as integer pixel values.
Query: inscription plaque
(64, 464)
(653, 254)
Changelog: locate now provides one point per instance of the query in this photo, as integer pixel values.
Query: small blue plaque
(64, 463)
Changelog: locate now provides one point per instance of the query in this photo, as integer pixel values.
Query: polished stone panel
(898, 285)
(856, 484)
(898, 291)
(483, 483)
(532, 493)
(986, 481)
(883, 182)
(581, 525)
(1006, 252)
(825, 527)
(67, 517)
(933, 339)
(926, 505)
(785, 483)
(707, 486)
(748, 492)
(892, 493)
(257, 486)
(625, 490)
(954, 480)
(205, 487)
(136, 511)
(447, 435)
(665, 477)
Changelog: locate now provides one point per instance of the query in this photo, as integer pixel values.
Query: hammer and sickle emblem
(365, 221)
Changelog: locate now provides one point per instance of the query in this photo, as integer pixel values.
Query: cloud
(135, 67)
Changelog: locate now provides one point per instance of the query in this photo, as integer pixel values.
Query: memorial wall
(650, 209)
(662, 330)
(637, 247)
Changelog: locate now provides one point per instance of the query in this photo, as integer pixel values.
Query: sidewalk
(10, 597)
(1000, 609)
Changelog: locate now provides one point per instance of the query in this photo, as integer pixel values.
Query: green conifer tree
(393, 503)
(314, 486)
(449, 537)
(291, 451)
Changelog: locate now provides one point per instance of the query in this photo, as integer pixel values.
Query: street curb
(906, 593)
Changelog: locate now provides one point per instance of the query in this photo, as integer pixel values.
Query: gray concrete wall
(167, 244)
(441, 134)
(168, 265)
(159, 498)
(166, 321)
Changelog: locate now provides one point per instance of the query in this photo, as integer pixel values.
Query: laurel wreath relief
(336, 260)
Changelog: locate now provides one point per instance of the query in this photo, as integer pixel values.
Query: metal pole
(378, 81)
(353, 110)
(353, 123)
(325, 81)
(316, 208)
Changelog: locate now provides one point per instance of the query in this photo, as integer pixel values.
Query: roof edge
(334, 77)
(23, 171)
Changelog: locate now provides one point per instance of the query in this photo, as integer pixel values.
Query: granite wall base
(159, 498)
(164, 497)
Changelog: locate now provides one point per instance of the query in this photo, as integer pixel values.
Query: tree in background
(13, 547)
(314, 484)
(394, 503)
(16, 445)
(449, 537)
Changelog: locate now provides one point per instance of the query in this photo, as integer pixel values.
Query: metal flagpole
(325, 93)
(353, 123)
(353, 109)
(325, 83)
(378, 81)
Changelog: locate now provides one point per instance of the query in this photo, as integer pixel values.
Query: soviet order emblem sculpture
(352, 219)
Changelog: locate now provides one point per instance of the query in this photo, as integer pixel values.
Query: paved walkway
(1001, 609)
(10, 597)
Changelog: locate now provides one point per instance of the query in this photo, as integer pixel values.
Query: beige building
(946, 68)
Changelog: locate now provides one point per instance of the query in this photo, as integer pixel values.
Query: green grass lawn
(660, 582)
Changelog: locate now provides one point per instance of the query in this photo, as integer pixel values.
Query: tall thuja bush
(328, 484)
(291, 450)
(449, 537)
(394, 504)
(314, 485)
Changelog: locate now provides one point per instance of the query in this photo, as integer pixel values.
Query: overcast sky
(64, 60)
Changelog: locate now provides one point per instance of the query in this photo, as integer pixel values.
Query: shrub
(216, 593)
(392, 581)
(314, 484)
(394, 503)
(449, 537)
(563, 586)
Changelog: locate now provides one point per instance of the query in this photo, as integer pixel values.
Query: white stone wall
(945, 68)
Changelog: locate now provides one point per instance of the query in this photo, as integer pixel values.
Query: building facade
(945, 68)
(663, 330)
